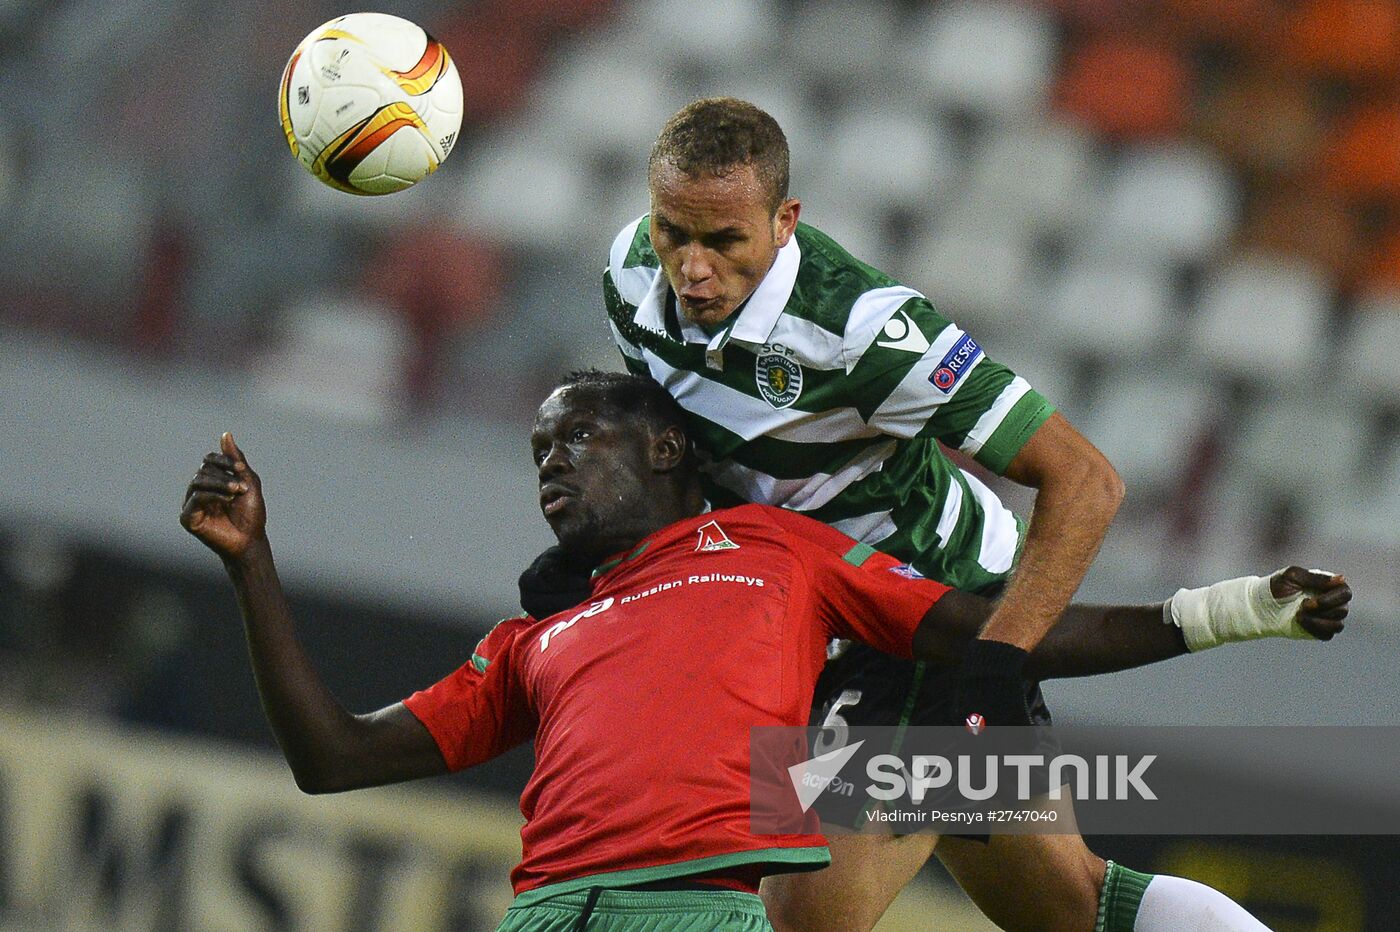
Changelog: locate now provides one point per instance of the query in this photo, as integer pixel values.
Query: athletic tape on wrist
(1240, 609)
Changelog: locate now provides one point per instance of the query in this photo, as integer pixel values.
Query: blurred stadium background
(1178, 218)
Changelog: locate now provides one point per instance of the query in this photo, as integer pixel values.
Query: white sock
(1175, 904)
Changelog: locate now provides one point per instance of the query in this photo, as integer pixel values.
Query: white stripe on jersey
(999, 533)
(630, 350)
(868, 529)
(814, 347)
(634, 284)
(731, 408)
(911, 403)
(948, 520)
(991, 418)
(800, 494)
(868, 317)
(617, 255)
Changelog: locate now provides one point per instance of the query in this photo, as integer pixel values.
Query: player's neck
(655, 513)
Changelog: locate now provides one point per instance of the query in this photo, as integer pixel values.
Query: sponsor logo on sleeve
(955, 364)
(901, 333)
(907, 571)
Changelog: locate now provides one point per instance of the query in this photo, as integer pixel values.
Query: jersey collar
(654, 541)
(759, 315)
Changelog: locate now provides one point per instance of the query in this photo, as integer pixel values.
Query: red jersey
(641, 701)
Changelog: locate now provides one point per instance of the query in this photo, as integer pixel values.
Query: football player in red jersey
(700, 626)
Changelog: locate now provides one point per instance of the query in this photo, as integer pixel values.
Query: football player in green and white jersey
(817, 383)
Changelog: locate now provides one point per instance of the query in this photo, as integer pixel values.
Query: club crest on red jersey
(712, 538)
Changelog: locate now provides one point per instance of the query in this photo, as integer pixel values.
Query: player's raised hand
(1324, 610)
(224, 504)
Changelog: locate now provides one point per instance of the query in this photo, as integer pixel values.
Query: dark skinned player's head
(614, 460)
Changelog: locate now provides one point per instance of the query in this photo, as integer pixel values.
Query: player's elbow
(314, 783)
(321, 779)
(1095, 484)
(1110, 485)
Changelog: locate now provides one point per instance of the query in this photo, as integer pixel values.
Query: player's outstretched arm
(1089, 639)
(329, 749)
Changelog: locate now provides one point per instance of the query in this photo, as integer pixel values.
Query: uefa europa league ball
(370, 103)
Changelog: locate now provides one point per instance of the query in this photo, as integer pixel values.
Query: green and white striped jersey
(828, 392)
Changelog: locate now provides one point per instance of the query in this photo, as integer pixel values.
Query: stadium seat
(518, 188)
(1361, 159)
(601, 74)
(885, 158)
(1262, 319)
(1101, 307)
(1302, 441)
(1125, 88)
(1263, 120)
(975, 272)
(866, 31)
(498, 55)
(1173, 203)
(1379, 273)
(727, 35)
(1146, 423)
(1302, 222)
(340, 357)
(1253, 27)
(1371, 353)
(1356, 40)
(988, 58)
(1364, 516)
(1039, 174)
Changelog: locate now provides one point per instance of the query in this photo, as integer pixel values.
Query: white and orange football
(370, 103)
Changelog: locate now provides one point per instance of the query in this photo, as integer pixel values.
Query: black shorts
(866, 687)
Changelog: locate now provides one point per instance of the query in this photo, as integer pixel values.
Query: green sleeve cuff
(1024, 419)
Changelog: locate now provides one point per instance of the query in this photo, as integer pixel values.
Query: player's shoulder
(840, 293)
(632, 262)
(507, 628)
(792, 527)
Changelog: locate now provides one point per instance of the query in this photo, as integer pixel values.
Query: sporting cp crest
(779, 379)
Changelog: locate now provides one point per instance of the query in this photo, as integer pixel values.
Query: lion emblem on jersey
(779, 379)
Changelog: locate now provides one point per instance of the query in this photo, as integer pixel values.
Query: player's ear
(668, 449)
(785, 220)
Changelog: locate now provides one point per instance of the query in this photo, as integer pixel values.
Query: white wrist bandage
(1235, 610)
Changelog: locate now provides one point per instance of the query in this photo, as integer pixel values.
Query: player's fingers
(226, 488)
(1328, 599)
(1324, 629)
(221, 460)
(240, 462)
(1294, 579)
(199, 505)
(229, 447)
(216, 473)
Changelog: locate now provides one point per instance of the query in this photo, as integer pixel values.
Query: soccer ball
(370, 103)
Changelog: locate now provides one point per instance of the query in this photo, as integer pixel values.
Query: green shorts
(642, 911)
